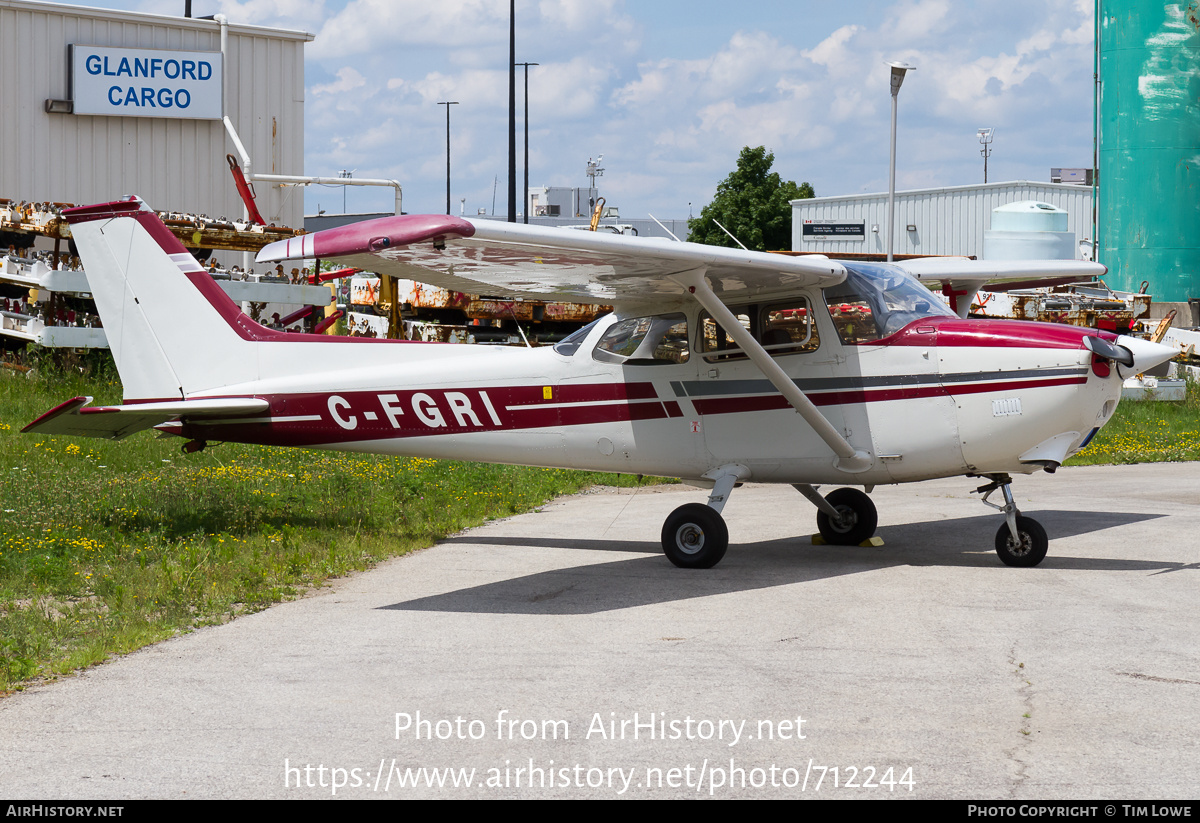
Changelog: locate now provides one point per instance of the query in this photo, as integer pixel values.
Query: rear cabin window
(659, 340)
(785, 328)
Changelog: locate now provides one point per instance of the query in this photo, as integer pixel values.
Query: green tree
(753, 203)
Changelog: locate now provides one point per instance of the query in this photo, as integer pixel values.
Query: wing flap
(535, 262)
(76, 418)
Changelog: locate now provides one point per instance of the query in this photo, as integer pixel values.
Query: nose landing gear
(1021, 541)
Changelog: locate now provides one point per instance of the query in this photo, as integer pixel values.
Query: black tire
(1032, 548)
(695, 537)
(859, 518)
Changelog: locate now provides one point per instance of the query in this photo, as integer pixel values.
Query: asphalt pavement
(559, 654)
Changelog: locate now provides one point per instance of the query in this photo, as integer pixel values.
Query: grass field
(1147, 432)
(105, 547)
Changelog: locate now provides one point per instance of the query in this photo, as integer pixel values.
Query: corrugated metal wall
(948, 220)
(175, 165)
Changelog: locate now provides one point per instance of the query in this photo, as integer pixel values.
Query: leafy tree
(752, 202)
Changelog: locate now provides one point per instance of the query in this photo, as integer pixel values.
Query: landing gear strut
(1021, 541)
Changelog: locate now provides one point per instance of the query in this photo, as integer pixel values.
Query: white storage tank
(1029, 230)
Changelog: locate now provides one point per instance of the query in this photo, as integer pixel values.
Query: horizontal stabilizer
(75, 417)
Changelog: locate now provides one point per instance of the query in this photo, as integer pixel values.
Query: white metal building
(175, 162)
(948, 220)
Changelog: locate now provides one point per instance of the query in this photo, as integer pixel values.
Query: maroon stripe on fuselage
(346, 417)
(988, 334)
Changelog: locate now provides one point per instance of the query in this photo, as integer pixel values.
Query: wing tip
(367, 237)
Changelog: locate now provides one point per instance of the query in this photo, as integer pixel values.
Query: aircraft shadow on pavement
(651, 579)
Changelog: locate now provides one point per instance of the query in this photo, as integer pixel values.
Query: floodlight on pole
(985, 140)
(898, 71)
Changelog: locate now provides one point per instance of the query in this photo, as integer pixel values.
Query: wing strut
(849, 459)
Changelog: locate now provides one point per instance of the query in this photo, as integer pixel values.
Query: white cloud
(348, 80)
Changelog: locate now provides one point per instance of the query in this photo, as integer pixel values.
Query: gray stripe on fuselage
(709, 388)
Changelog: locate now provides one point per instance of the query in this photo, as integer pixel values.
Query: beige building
(166, 143)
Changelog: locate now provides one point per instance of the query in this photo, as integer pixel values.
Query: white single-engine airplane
(717, 366)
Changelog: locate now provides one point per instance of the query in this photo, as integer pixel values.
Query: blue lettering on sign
(152, 96)
(147, 97)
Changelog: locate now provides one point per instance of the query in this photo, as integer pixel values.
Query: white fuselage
(942, 398)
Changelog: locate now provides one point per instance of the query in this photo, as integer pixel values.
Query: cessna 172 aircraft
(718, 366)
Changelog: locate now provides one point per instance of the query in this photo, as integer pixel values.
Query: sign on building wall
(833, 230)
(146, 82)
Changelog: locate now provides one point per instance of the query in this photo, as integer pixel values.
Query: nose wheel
(1021, 542)
(1028, 549)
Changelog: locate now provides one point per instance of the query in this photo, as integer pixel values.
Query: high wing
(532, 262)
(960, 278)
(118, 422)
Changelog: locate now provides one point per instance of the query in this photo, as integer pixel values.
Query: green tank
(1148, 200)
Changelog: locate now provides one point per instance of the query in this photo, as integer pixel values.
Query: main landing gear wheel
(695, 537)
(857, 522)
(1031, 549)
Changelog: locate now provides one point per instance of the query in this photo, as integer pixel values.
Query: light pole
(448, 104)
(525, 208)
(898, 70)
(512, 111)
(985, 140)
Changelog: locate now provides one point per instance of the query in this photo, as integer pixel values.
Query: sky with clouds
(670, 91)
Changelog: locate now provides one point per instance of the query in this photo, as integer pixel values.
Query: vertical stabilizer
(168, 324)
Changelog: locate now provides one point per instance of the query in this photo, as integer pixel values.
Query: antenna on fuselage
(664, 228)
(520, 330)
(727, 231)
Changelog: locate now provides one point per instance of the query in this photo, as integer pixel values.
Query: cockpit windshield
(876, 300)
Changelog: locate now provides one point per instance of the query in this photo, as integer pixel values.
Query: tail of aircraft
(172, 331)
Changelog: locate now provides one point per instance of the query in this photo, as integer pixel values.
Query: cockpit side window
(853, 315)
(645, 341)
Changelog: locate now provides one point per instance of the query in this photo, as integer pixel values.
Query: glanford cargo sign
(146, 82)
